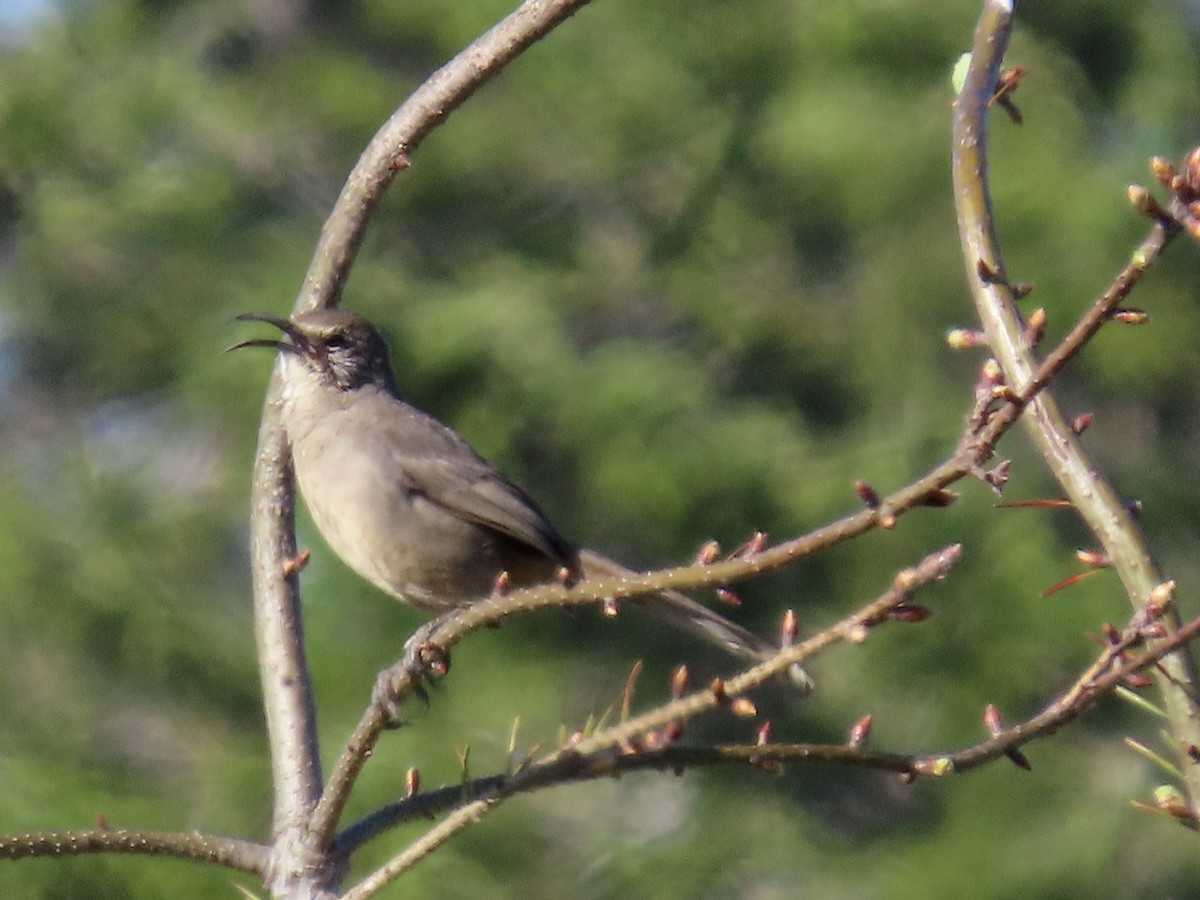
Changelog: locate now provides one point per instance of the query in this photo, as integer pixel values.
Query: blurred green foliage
(684, 270)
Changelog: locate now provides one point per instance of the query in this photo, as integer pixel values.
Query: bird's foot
(422, 666)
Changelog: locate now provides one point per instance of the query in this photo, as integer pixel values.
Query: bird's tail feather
(680, 610)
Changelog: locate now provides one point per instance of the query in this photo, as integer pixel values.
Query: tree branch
(287, 691)
(244, 856)
(1103, 512)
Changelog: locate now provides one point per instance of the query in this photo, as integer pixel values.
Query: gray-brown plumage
(406, 502)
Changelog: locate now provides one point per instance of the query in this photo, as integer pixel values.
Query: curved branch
(1103, 512)
(287, 689)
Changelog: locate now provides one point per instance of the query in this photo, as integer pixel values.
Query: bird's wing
(437, 463)
(473, 490)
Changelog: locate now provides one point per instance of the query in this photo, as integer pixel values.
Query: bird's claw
(423, 665)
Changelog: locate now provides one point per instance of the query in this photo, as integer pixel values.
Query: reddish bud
(1129, 316)
(764, 734)
(1137, 681)
(609, 607)
(789, 628)
(1081, 422)
(501, 585)
(728, 597)
(412, 782)
(752, 547)
(679, 682)
(1094, 559)
(886, 520)
(910, 612)
(866, 494)
(859, 732)
(296, 564)
(1035, 327)
(707, 554)
(743, 707)
(1022, 289)
(992, 721)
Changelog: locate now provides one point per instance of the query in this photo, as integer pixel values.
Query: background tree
(668, 261)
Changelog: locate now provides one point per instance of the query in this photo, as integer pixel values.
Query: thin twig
(933, 568)
(615, 755)
(244, 856)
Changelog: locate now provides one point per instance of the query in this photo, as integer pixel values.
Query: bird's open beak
(284, 325)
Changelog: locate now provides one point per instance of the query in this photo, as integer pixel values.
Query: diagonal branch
(615, 751)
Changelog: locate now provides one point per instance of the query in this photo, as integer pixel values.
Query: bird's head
(341, 348)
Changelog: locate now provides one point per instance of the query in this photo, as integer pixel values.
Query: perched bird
(408, 504)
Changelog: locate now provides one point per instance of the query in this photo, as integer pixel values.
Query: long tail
(684, 612)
